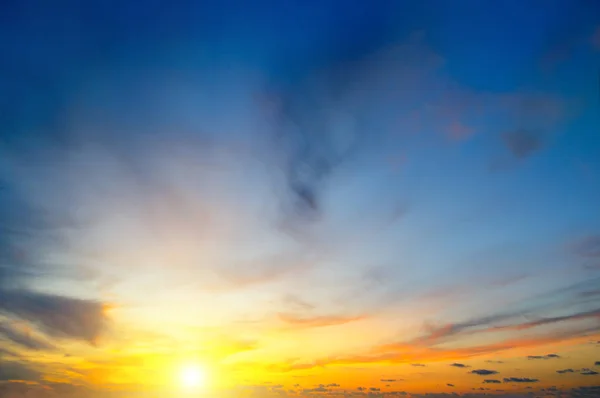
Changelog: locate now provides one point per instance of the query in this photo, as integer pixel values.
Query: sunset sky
(299, 198)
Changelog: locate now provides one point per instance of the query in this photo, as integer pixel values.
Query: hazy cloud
(460, 365)
(23, 338)
(57, 315)
(491, 381)
(522, 143)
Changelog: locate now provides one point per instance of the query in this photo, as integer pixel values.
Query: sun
(192, 376)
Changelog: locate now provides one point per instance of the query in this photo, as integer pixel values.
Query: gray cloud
(588, 246)
(16, 370)
(56, 315)
(491, 381)
(519, 380)
(549, 356)
(563, 371)
(588, 372)
(22, 338)
(522, 143)
(483, 372)
(460, 365)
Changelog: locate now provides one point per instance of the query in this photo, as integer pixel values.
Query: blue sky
(421, 178)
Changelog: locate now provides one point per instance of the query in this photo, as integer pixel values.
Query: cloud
(520, 380)
(417, 364)
(460, 365)
(317, 321)
(597, 363)
(521, 143)
(23, 338)
(563, 371)
(56, 315)
(16, 370)
(588, 247)
(548, 356)
(483, 372)
(450, 385)
(390, 380)
(491, 381)
(588, 372)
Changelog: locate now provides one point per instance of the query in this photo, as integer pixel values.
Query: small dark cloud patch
(491, 381)
(520, 380)
(563, 371)
(483, 372)
(597, 363)
(450, 385)
(522, 143)
(588, 372)
(332, 385)
(418, 364)
(374, 389)
(390, 380)
(549, 356)
(490, 361)
(460, 365)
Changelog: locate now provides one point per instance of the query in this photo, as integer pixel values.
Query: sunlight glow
(192, 376)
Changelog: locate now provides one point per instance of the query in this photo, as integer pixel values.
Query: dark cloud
(16, 370)
(25, 339)
(588, 372)
(483, 372)
(519, 380)
(549, 356)
(332, 385)
(374, 389)
(450, 385)
(390, 380)
(563, 371)
(491, 361)
(522, 143)
(417, 364)
(56, 315)
(491, 381)
(597, 363)
(460, 365)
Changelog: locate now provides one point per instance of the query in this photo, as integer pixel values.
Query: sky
(299, 199)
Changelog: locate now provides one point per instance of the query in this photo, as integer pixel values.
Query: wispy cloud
(317, 321)
(23, 337)
(56, 315)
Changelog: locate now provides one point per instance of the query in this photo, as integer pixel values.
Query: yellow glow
(192, 376)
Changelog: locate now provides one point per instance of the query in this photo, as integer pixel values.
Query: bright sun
(192, 376)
